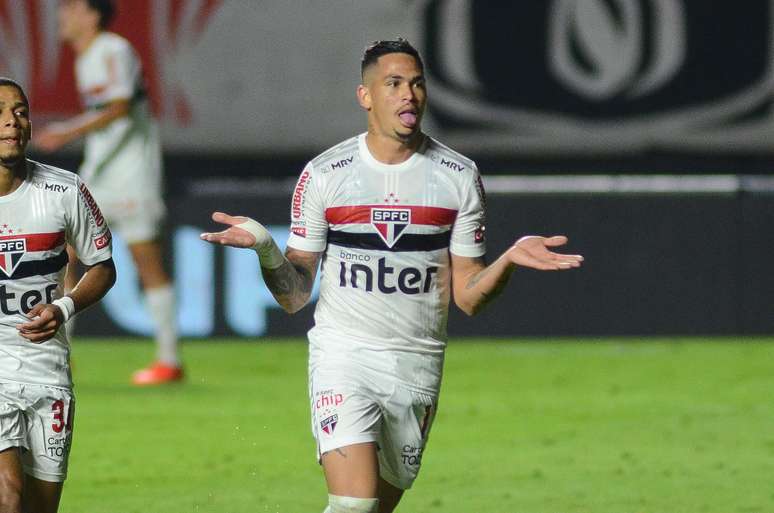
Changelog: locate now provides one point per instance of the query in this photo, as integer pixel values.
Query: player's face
(394, 95)
(15, 126)
(74, 15)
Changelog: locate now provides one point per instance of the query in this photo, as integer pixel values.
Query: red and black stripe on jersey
(420, 215)
(35, 242)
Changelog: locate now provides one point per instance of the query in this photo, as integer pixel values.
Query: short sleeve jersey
(387, 232)
(52, 207)
(110, 70)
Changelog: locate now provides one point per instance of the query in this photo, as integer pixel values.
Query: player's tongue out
(409, 119)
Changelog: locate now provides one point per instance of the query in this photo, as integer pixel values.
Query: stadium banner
(656, 264)
(549, 77)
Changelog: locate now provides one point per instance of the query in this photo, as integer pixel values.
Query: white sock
(340, 504)
(161, 304)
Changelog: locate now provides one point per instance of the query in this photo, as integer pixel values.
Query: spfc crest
(11, 253)
(329, 424)
(390, 223)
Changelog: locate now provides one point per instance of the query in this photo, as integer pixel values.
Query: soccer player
(122, 162)
(397, 219)
(42, 209)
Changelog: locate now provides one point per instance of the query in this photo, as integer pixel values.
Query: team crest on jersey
(11, 253)
(329, 424)
(390, 223)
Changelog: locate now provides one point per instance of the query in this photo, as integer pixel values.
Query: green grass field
(618, 426)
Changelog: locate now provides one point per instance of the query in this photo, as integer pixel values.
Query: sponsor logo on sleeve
(299, 230)
(88, 199)
(299, 194)
(103, 240)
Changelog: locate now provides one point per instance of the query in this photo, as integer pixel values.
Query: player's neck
(83, 41)
(11, 177)
(388, 150)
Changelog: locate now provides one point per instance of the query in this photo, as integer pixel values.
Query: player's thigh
(41, 496)
(352, 471)
(11, 480)
(346, 421)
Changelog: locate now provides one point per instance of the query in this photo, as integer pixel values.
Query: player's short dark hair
(106, 10)
(5, 81)
(384, 47)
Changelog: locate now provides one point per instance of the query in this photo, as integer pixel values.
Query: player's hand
(533, 251)
(45, 320)
(251, 234)
(50, 138)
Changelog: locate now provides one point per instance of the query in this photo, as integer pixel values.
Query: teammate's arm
(289, 277)
(475, 284)
(46, 318)
(56, 135)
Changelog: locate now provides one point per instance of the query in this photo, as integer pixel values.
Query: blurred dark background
(642, 129)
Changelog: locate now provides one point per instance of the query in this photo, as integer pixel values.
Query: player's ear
(364, 97)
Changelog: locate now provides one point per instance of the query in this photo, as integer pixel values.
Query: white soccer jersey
(387, 231)
(122, 161)
(50, 208)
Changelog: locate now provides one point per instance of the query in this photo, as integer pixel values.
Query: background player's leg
(41, 496)
(389, 496)
(160, 298)
(352, 471)
(11, 481)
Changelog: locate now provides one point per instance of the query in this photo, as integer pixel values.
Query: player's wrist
(268, 252)
(66, 305)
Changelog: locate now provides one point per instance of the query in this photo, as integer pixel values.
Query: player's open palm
(534, 251)
(242, 232)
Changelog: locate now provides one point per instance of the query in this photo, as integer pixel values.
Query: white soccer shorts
(358, 406)
(38, 419)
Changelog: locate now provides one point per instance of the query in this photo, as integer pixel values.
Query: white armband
(66, 305)
(268, 253)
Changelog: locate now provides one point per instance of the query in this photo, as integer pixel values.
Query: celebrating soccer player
(122, 162)
(42, 209)
(397, 219)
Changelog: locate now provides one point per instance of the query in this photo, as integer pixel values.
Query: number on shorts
(59, 420)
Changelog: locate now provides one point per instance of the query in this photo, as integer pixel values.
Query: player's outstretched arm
(475, 284)
(289, 277)
(46, 318)
(55, 135)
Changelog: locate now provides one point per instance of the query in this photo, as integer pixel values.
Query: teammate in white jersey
(122, 163)
(41, 210)
(398, 222)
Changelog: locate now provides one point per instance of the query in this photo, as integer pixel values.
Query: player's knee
(10, 493)
(339, 504)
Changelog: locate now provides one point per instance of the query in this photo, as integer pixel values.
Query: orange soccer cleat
(157, 374)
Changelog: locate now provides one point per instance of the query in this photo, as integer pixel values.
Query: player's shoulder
(112, 42)
(448, 159)
(339, 156)
(51, 178)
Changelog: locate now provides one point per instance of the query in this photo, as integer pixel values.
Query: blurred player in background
(398, 222)
(122, 162)
(42, 209)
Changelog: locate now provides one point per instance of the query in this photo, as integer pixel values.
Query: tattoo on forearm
(290, 284)
(488, 295)
(477, 278)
